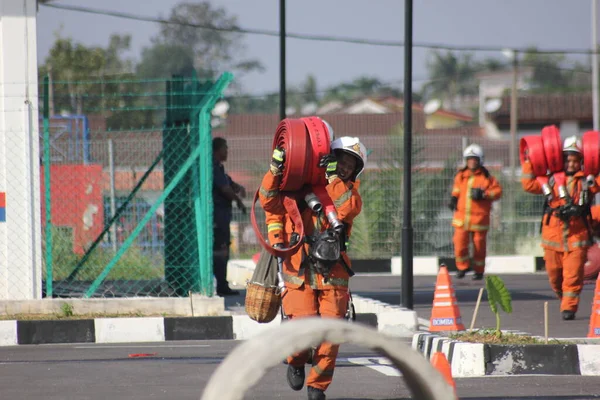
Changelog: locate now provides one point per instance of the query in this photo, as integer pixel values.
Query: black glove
(277, 161)
(477, 194)
(329, 161)
(453, 203)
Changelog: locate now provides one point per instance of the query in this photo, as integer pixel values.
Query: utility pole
(595, 62)
(282, 91)
(513, 140)
(407, 230)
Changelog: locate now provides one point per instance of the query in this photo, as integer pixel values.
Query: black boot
(295, 377)
(477, 276)
(460, 274)
(568, 315)
(315, 394)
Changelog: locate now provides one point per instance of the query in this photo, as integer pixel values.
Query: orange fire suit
(307, 294)
(565, 244)
(471, 219)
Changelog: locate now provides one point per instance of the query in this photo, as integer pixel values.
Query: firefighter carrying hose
(315, 287)
(566, 233)
(473, 192)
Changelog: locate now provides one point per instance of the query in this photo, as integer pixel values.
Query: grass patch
(133, 265)
(491, 337)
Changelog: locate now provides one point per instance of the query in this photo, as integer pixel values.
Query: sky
(564, 24)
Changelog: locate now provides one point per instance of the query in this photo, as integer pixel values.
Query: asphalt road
(529, 292)
(180, 370)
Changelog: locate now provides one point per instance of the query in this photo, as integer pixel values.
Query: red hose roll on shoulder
(292, 137)
(533, 147)
(319, 141)
(553, 148)
(591, 155)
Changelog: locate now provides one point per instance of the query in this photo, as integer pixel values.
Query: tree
(199, 38)
(551, 74)
(73, 67)
(450, 76)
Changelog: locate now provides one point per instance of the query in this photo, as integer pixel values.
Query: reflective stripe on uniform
(268, 193)
(457, 222)
(571, 294)
(292, 279)
(322, 372)
(584, 243)
(528, 176)
(342, 199)
(479, 263)
(462, 259)
(275, 226)
(336, 282)
(479, 227)
(552, 244)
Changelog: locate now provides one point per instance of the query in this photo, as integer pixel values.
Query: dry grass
(491, 337)
(45, 317)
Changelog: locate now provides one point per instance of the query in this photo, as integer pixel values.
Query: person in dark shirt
(225, 192)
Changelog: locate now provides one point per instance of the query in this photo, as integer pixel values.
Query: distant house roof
(547, 108)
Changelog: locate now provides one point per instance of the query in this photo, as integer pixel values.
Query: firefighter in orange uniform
(566, 226)
(311, 290)
(473, 192)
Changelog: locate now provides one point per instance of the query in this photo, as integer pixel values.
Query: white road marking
(379, 364)
(142, 347)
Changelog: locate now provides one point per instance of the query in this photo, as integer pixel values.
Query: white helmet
(572, 145)
(354, 147)
(473, 150)
(329, 130)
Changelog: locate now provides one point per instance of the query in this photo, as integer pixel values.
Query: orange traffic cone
(445, 315)
(440, 362)
(594, 331)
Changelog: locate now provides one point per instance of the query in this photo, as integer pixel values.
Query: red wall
(76, 196)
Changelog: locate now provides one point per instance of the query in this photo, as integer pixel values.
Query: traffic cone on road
(594, 331)
(445, 315)
(440, 362)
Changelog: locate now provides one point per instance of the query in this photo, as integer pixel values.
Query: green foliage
(498, 295)
(133, 265)
(66, 310)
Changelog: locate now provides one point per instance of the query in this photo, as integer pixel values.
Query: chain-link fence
(437, 154)
(124, 206)
(126, 185)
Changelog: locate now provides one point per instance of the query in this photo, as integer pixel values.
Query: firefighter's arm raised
(270, 198)
(346, 199)
(528, 181)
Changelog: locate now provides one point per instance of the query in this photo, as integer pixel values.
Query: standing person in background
(473, 192)
(225, 192)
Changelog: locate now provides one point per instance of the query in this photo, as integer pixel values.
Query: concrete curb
(142, 329)
(391, 320)
(477, 359)
(240, 270)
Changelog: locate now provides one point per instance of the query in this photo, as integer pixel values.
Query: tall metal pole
(513, 142)
(407, 230)
(282, 91)
(113, 202)
(595, 62)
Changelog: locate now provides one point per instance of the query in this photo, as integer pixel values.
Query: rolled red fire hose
(531, 147)
(591, 157)
(552, 148)
(304, 141)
